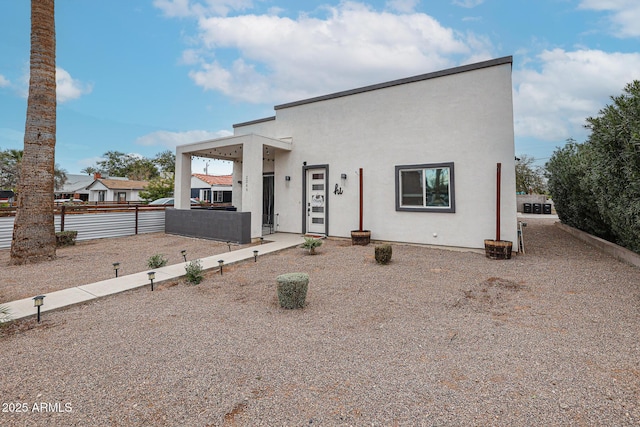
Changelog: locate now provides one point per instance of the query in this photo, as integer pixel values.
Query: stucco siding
(464, 118)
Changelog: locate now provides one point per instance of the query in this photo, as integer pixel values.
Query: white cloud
(186, 8)
(625, 15)
(282, 59)
(467, 3)
(402, 6)
(68, 88)
(172, 139)
(4, 81)
(553, 102)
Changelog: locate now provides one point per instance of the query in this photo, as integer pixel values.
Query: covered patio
(253, 156)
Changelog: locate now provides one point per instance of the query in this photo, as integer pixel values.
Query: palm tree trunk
(33, 231)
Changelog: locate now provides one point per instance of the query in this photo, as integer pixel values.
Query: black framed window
(425, 188)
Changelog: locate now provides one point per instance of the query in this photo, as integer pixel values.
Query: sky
(142, 76)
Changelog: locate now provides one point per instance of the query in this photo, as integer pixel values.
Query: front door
(316, 200)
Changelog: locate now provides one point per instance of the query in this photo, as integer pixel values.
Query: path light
(261, 240)
(116, 266)
(184, 254)
(152, 275)
(229, 244)
(255, 255)
(38, 302)
(220, 262)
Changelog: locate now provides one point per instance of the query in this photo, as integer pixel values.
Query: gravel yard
(434, 338)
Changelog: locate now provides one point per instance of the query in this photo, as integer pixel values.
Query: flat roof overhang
(230, 148)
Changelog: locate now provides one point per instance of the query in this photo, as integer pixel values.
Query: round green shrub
(383, 254)
(292, 289)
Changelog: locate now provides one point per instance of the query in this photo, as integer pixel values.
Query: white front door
(316, 201)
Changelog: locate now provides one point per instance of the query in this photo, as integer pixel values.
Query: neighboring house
(428, 145)
(75, 187)
(118, 190)
(211, 188)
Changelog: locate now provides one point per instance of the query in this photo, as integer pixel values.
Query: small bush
(311, 244)
(195, 274)
(66, 238)
(292, 289)
(383, 254)
(157, 261)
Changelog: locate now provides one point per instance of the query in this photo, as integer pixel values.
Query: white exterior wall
(464, 118)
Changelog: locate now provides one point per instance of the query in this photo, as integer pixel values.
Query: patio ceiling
(231, 148)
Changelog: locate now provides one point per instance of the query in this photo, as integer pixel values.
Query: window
(122, 197)
(205, 195)
(217, 196)
(425, 188)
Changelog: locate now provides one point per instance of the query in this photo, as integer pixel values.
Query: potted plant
(360, 236)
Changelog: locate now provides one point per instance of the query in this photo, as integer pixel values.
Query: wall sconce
(255, 255)
(221, 263)
(287, 178)
(116, 266)
(343, 176)
(152, 275)
(38, 302)
(184, 254)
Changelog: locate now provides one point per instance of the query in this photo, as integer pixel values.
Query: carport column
(252, 184)
(182, 186)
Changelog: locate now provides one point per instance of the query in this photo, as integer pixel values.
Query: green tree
(529, 178)
(117, 163)
(33, 231)
(158, 188)
(614, 173)
(10, 161)
(166, 161)
(574, 199)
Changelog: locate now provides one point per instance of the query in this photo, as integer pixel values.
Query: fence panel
(97, 225)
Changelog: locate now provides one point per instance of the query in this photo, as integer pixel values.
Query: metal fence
(98, 223)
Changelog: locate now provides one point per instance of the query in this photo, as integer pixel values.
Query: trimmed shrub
(383, 254)
(66, 238)
(157, 261)
(195, 274)
(292, 289)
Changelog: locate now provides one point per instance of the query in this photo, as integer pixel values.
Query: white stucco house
(428, 147)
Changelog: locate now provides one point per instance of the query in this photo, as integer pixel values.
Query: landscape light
(220, 263)
(152, 275)
(116, 266)
(255, 255)
(229, 244)
(184, 254)
(38, 302)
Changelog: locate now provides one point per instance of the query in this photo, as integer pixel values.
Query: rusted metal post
(498, 179)
(136, 219)
(62, 209)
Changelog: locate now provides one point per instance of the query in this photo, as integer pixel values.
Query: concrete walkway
(79, 294)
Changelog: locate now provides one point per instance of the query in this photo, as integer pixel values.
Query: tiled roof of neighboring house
(122, 184)
(215, 179)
